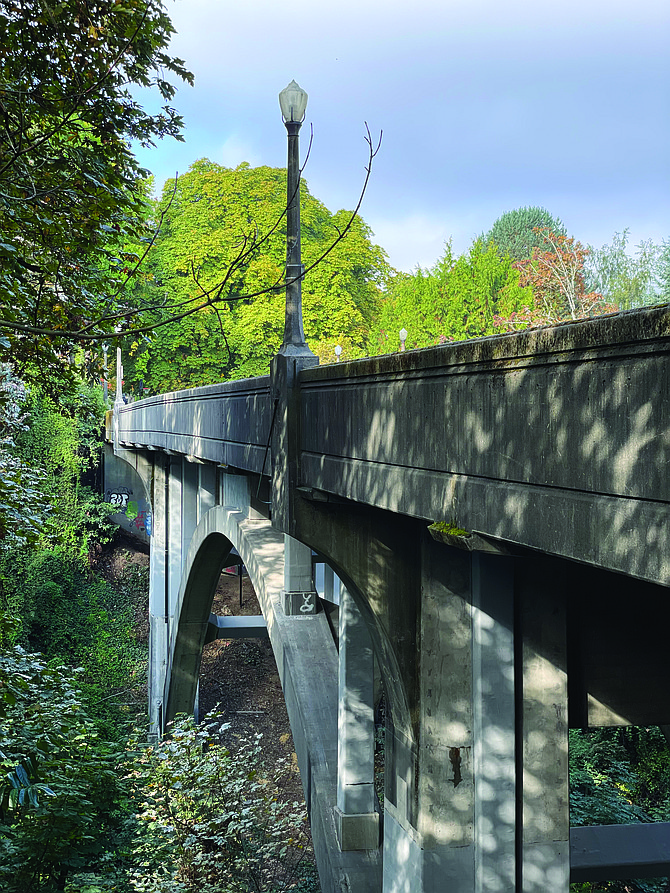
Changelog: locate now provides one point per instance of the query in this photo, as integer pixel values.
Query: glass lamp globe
(293, 102)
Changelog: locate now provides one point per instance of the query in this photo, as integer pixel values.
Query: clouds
(235, 150)
(484, 106)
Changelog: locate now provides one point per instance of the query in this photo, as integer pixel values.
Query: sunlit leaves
(224, 236)
(458, 298)
(69, 186)
(211, 820)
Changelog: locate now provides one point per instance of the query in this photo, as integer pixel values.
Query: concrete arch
(127, 479)
(262, 551)
(379, 563)
(307, 663)
(398, 711)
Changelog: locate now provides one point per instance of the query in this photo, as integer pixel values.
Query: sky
(484, 106)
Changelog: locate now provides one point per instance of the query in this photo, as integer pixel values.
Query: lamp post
(338, 352)
(105, 384)
(403, 338)
(293, 102)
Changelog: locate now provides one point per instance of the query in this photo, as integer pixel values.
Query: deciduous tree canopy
(70, 187)
(216, 216)
(456, 299)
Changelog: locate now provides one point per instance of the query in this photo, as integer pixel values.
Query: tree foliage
(625, 279)
(70, 187)
(619, 776)
(22, 506)
(59, 787)
(516, 232)
(210, 820)
(663, 270)
(555, 274)
(458, 298)
(203, 255)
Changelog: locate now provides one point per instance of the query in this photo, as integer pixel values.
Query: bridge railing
(227, 423)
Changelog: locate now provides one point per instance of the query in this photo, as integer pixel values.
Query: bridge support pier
(492, 758)
(299, 595)
(476, 781)
(158, 596)
(545, 860)
(356, 816)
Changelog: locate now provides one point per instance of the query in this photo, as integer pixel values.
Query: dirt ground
(238, 678)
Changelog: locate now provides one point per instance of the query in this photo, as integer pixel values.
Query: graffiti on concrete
(308, 605)
(138, 519)
(118, 497)
(142, 522)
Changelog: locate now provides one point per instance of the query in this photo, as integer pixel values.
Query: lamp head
(293, 102)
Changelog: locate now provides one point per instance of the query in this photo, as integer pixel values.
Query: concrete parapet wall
(557, 438)
(227, 423)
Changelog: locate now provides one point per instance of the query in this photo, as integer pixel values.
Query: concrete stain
(455, 758)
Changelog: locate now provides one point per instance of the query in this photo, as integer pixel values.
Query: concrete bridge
(549, 450)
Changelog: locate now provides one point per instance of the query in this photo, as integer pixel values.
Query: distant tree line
(526, 271)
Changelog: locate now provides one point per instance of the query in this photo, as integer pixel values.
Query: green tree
(211, 820)
(625, 279)
(202, 255)
(619, 776)
(70, 188)
(61, 443)
(517, 232)
(22, 507)
(458, 298)
(663, 271)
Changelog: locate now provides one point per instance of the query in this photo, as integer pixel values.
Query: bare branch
(208, 297)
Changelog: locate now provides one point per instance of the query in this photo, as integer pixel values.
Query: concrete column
(158, 598)
(174, 534)
(544, 720)
(440, 853)
(189, 502)
(356, 817)
(467, 811)
(299, 595)
(329, 585)
(493, 728)
(206, 489)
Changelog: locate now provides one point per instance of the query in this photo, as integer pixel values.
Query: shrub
(59, 789)
(211, 821)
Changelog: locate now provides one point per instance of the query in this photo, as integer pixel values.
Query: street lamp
(403, 338)
(119, 369)
(293, 102)
(105, 384)
(338, 352)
